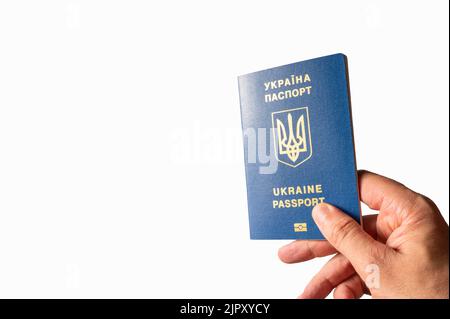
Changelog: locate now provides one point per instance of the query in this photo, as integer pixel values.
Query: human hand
(403, 252)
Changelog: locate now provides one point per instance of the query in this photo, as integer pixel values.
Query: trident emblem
(292, 136)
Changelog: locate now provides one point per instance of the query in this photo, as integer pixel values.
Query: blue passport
(298, 146)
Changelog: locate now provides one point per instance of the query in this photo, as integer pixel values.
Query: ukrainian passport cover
(298, 146)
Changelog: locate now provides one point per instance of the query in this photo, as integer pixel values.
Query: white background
(121, 166)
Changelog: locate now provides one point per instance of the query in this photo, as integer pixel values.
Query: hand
(403, 252)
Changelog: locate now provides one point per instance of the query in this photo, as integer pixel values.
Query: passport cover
(298, 146)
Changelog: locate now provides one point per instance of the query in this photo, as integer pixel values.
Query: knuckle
(410, 197)
(421, 203)
(411, 200)
(342, 231)
(379, 254)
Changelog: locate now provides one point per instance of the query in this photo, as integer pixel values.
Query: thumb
(348, 237)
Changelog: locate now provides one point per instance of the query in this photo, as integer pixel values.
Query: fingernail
(320, 212)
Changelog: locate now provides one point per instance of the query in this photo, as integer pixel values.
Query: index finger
(378, 192)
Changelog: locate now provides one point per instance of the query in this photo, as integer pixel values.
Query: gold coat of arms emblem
(292, 136)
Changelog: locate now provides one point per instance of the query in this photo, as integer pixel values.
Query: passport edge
(339, 54)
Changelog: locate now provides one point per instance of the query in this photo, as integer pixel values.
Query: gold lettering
(308, 89)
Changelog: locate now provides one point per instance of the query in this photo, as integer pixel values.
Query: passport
(298, 146)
